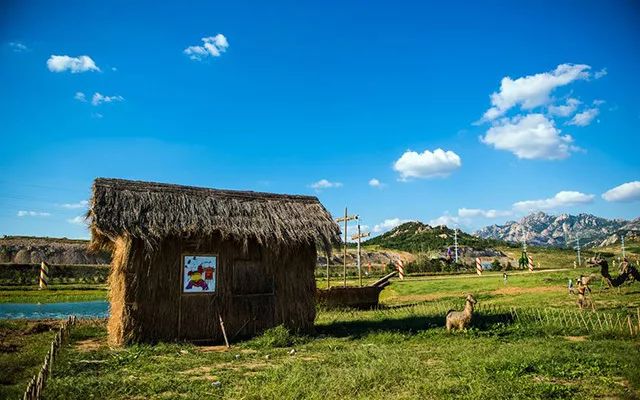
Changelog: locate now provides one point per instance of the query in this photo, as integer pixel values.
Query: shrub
(274, 337)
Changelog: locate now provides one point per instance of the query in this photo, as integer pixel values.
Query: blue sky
(322, 99)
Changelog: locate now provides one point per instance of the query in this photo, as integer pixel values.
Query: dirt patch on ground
(521, 290)
(416, 298)
(40, 327)
(200, 373)
(212, 349)
(576, 338)
(88, 345)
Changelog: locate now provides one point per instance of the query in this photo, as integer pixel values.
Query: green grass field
(23, 345)
(401, 351)
(55, 293)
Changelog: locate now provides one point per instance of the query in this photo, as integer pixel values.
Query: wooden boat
(352, 296)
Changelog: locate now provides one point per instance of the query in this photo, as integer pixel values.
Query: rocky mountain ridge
(543, 229)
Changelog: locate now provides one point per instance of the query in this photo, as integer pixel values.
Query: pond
(83, 309)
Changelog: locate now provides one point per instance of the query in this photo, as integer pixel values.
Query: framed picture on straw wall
(199, 273)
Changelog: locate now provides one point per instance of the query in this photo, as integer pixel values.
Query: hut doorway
(253, 289)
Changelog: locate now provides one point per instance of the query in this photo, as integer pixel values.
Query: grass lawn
(23, 345)
(397, 352)
(55, 293)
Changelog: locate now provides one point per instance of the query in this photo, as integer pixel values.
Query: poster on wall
(199, 274)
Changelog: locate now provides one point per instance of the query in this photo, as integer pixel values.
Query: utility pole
(455, 242)
(622, 238)
(524, 240)
(328, 283)
(357, 237)
(346, 219)
(578, 248)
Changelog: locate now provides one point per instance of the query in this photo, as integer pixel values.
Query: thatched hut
(185, 256)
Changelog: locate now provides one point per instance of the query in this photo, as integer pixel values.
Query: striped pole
(478, 266)
(44, 275)
(400, 267)
(530, 264)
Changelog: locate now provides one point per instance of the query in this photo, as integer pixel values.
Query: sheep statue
(461, 319)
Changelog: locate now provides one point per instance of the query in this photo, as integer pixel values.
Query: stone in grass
(216, 383)
(267, 357)
(237, 356)
(292, 352)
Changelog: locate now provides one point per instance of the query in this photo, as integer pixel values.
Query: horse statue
(627, 271)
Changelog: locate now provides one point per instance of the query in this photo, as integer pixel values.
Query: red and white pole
(478, 266)
(400, 267)
(530, 264)
(44, 276)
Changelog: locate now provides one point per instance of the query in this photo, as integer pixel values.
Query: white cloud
(98, 99)
(373, 182)
(96, 115)
(561, 199)
(584, 118)
(79, 220)
(73, 64)
(444, 220)
(629, 191)
(80, 97)
(18, 47)
(212, 46)
(80, 204)
(531, 137)
(427, 164)
(565, 110)
(600, 74)
(23, 213)
(389, 224)
(325, 184)
(476, 212)
(533, 90)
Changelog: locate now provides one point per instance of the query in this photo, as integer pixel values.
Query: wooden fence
(587, 321)
(37, 383)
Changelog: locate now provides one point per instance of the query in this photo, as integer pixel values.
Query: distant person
(505, 277)
(582, 292)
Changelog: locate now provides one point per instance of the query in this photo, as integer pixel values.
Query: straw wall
(257, 288)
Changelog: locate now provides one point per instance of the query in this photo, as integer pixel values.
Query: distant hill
(417, 236)
(630, 230)
(549, 230)
(33, 250)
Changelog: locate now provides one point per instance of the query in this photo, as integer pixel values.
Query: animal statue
(461, 319)
(583, 300)
(629, 271)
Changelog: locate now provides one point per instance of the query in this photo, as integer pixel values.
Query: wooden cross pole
(359, 236)
(346, 219)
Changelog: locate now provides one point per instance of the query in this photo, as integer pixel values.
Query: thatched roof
(153, 211)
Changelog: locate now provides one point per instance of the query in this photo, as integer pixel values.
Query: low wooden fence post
(36, 385)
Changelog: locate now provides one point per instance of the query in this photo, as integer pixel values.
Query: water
(83, 309)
